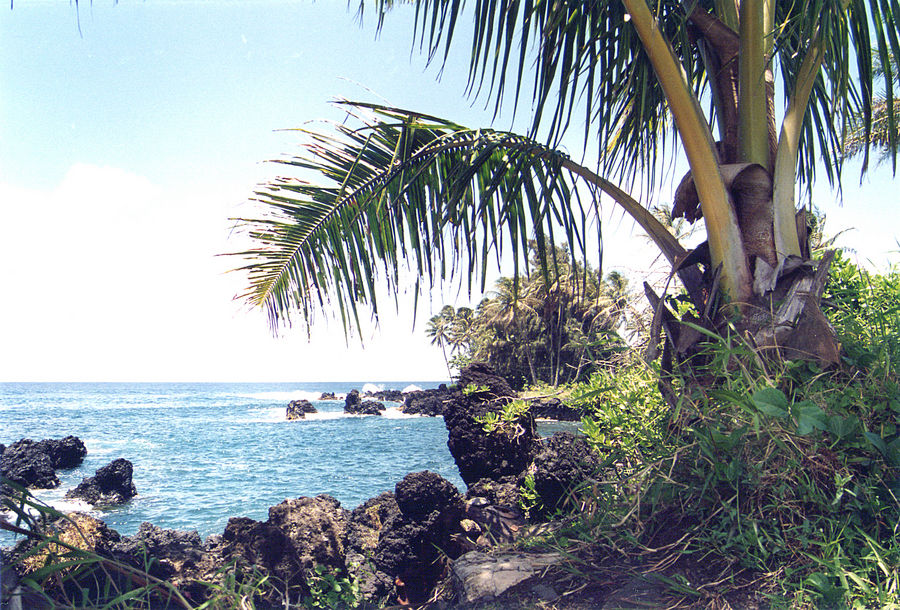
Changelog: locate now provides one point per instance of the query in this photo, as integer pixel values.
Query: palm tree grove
(723, 434)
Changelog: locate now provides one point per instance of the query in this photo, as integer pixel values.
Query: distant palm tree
(461, 329)
(439, 330)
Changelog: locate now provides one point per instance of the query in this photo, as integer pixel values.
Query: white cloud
(109, 277)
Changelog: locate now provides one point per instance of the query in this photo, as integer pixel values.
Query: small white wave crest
(283, 396)
(411, 388)
(371, 388)
(396, 413)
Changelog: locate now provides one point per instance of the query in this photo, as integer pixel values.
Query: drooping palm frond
(413, 190)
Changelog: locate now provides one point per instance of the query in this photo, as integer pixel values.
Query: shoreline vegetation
(761, 482)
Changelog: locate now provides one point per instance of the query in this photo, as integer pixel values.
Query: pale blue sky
(125, 149)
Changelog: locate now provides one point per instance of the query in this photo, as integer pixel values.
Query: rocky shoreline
(401, 546)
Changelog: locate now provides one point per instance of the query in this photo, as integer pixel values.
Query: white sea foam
(396, 413)
(371, 388)
(411, 388)
(326, 415)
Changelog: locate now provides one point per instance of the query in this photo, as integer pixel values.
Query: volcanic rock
(485, 382)
(25, 462)
(298, 535)
(421, 493)
(297, 409)
(504, 451)
(392, 395)
(562, 461)
(367, 523)
(176, 554)
(327, 396)
(351, 401)
(365, 407)
(110, 485)
(427, 402)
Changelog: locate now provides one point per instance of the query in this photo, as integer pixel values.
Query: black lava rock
(111, 484)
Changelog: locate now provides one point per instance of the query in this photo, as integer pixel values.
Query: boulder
(33, 464)
(110, 485)
(427, 402)
(25, 462)
(487, 455)
(297, 409)
(480, 577)
(562, 461)
(414, 545)
(327, 396)
(351, 401)
(482, 379)
(422, 493)
(298, 535)
(365, 407)
(67, 452)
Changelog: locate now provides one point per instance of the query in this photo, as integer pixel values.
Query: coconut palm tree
(398, 184)
(440, 330)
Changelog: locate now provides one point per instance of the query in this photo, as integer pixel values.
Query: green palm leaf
(405, 189)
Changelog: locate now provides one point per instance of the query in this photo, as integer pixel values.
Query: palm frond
(406, 190)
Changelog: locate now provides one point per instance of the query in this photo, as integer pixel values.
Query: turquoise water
(204, 452)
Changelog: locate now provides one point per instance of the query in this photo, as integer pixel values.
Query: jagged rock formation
(297, 409)
(34, 463)
(110, 485)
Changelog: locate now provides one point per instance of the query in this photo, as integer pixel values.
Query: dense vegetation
(547, 327)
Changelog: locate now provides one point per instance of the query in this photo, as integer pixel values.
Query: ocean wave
(283, 396)
(371, 388)
(411, 388)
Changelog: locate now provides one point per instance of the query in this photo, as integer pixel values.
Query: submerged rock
(297, 409)
(110, 485)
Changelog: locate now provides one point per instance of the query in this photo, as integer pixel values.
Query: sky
(131, 132)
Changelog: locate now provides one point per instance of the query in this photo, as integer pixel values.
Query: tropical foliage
(535, 328)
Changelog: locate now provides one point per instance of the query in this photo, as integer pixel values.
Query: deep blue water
(204, 452)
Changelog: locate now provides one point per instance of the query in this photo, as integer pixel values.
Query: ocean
(204, 452)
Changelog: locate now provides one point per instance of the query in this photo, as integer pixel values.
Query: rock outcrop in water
(427, 402)
(297, 409)
(34, 463)
(356, 406)
(110, 485)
